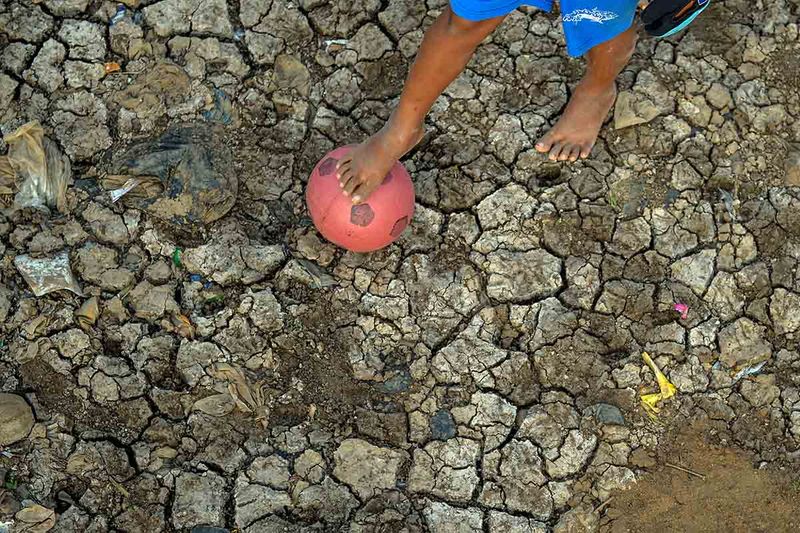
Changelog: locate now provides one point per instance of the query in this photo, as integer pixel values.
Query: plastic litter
(248, 397)
(86, 315)
(160, 87)
(181, 325)
(112, 67)
(8, 182)
(127, 187)
(605, 413)
(749, 371)
(683, 309)
(727, 199)
(10, 482)
(35, 519)
(119, 15)
(195, 277)
(216, 405)
(666, 389)
(238, 34)
(176, 257)
(672, 195)
(42, 170)
(49, 274)
(335, 43)
(320, 277)
(186, 176)
(222, 110)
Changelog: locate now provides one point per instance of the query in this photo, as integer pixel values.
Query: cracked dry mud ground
(483, 373)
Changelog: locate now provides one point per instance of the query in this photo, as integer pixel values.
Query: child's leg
(576, 131)
(445, 51)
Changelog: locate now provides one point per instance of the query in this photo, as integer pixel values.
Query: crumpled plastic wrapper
(40, 170)
(185, 177)
(48, 274)
(35, 519)
(666, 389)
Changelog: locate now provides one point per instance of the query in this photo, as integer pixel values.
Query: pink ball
(365, 227)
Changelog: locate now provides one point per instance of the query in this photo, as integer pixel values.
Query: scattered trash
(605, 413)
(682, 469)
(217, 405)
(188, 176)
(320, 277)
(181, 325)
(35, 519)
(399, 382)
(749, 371)
(112, 67)
(683, 309)
(238, 34)
(119, 15)
(44, 172)
(248, 397)
(195, 277)
(214, 296)
(128, 186)
(672, 195)
(667, 389)
(5, 527)
(34, 328)
(336, 44)
(86, 315)
(222, 110)
(727, 199)
(176, 257)
(162, 85)
(10, 482)
(8, 182)
(48, 275)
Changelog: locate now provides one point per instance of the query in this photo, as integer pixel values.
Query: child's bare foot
(362, 170)
(576, 131)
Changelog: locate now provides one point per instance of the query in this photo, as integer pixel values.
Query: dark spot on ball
(328, 166)
(388, 177)
(398, 227)
(361, 215)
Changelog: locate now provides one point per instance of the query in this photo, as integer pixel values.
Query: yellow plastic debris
(667, 389)
(112, 67)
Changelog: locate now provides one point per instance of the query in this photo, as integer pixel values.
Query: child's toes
(351, 185)
(555, 151)
(343, 173)
(575, 153)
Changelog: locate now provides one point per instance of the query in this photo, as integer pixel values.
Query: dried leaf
(35, 519)
(216, 405)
